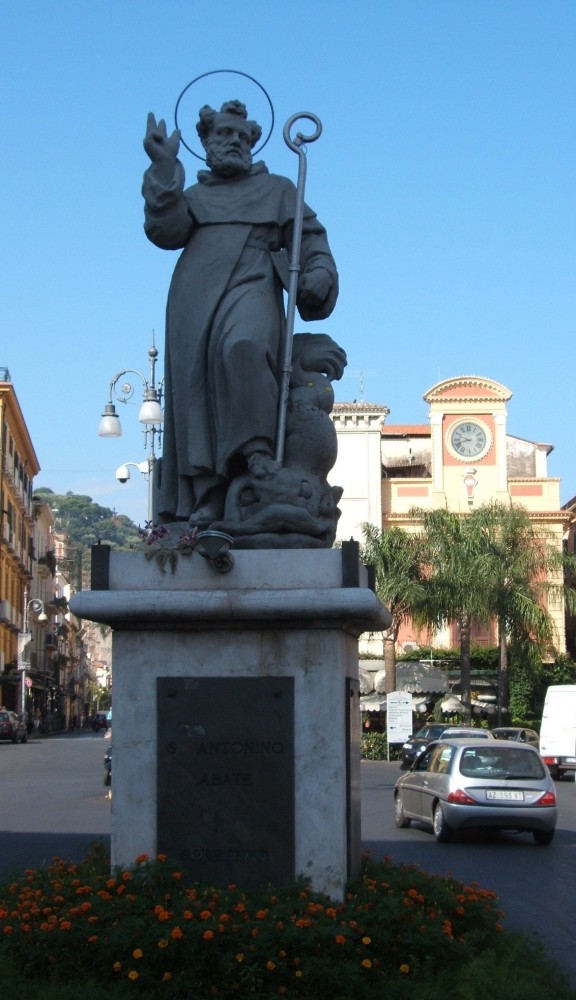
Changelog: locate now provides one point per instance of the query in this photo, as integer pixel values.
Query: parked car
(478, 784)
(517, 733)
(99, 721)
(13, 727)
(416, 744)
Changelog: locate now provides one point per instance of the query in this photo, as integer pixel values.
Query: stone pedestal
(236, 722)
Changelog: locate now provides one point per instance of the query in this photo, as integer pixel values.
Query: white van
(558, 729)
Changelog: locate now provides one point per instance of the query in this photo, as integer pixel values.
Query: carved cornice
(359, 415)
(467, 389)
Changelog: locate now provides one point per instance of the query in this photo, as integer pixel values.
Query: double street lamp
(24, 638)
(150, 416)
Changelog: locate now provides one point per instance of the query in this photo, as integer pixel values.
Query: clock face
(468, 439)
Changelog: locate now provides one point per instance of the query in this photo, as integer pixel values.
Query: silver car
(479, 784)
(424, 737)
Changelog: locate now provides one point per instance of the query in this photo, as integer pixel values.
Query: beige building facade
(462, 458)
(18, 466)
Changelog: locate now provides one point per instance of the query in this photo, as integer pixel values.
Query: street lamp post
(150, 416)
(147, 470)
(24, 638)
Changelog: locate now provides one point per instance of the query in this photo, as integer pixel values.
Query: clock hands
(468, 440)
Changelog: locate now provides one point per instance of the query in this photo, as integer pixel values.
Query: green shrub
(374, 746)
(561, 671)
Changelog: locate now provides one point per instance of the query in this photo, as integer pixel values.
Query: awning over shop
(417, 675)
(373, 703)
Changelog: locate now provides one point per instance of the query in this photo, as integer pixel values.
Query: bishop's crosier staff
(296, 145)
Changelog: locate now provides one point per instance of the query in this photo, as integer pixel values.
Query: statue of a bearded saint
(225, 314)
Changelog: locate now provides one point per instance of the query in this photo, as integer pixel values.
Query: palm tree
(456, 580)
(527, 568)
(397, 563)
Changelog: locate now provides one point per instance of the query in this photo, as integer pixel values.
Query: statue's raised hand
(161, 148)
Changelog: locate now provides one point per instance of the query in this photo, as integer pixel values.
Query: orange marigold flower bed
(229, 935)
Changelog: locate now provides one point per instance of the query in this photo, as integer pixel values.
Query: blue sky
(445, 175)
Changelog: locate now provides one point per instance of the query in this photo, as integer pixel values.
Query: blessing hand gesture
(161, 148)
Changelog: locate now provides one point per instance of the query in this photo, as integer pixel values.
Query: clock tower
(468, 439)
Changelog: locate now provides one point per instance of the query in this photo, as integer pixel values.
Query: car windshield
(429, 732)
(458, 734)
(501, 762)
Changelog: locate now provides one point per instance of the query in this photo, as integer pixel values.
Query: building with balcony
(52, 666)
(18, 466)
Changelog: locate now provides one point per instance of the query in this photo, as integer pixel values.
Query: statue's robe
(225, 318)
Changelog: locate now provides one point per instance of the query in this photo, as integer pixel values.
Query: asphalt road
(536, 886)
(54, 803)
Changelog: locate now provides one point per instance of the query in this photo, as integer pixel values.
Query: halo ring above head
(212, 72)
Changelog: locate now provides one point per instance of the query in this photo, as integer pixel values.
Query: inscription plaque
(225, 802)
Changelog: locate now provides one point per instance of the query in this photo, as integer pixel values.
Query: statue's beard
(227, 162)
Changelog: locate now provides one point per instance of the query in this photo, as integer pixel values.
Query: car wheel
(543, 837)
(400, 818)
(442, 831)
(25, 738)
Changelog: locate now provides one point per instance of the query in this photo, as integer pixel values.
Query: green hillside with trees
(86, 523)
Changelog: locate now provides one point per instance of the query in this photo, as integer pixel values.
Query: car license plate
(504, 795)
(570, 760)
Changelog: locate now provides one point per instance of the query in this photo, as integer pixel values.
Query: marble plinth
(261, 667)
